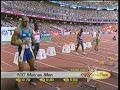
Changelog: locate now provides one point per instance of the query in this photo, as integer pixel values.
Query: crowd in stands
(14, 23)
(46, 9)
(92, 4)
(57, 12)
(8, 23)
(57, 27)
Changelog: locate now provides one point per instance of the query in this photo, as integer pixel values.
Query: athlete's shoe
(84, 53)
(35, 67)
(77, 53)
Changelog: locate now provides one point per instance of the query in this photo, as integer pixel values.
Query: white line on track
(90, 59)
(7, 64)
(107, 83)
(51, 66)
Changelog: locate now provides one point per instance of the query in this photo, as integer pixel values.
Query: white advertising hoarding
(6, 33)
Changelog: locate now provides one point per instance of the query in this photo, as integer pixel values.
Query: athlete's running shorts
(80, 41)
(27, 54)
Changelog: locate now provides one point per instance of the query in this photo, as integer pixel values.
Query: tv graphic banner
(100, 75)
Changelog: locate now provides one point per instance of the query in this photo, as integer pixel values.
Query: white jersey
(36, 35)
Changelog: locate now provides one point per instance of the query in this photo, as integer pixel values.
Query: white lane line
(8, 52)
(90, 59)
(107, 83)
(6, 63)
(51, 66)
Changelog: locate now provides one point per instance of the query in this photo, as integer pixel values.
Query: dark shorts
(80, 41)
(36, 46)
(27, 56)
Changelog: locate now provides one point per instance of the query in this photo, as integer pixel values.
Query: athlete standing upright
(22, 38)
(80, 41)
(97, 40)
(36, 40)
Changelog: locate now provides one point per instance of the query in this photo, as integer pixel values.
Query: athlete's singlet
(36, 35)
(25, 35)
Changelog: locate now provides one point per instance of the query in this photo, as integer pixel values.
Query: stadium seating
(57, 12)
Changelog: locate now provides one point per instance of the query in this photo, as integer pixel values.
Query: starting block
(72, 46)
(84, 45)
(88, 44)
(41, 54)
(66, 48)
(16, 57)
(80, 48)
(51, 51)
